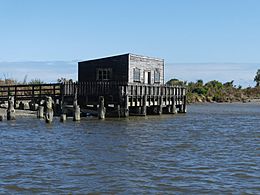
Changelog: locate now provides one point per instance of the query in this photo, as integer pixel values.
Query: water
(213, 149)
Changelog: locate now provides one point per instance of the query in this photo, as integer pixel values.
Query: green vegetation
(64, 80)
(215, 91)
(257, 78)
(174, 82)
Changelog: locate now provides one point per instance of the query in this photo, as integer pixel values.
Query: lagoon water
(213, 149)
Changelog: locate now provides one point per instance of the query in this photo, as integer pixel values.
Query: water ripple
(213, 149)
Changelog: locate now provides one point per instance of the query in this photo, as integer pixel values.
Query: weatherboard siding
(145, 64)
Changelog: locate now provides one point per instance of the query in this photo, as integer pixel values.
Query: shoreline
(249, 101)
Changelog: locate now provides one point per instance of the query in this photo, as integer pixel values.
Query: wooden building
(127, 84)
(128, 68)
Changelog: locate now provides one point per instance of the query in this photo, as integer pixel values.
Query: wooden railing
(120, 88)
(153, 90)
(115, 89)
(95, 88)
(29, 92)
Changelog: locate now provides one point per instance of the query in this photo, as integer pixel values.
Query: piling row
(102, 99)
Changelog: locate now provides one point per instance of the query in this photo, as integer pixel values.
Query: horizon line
(78, 60)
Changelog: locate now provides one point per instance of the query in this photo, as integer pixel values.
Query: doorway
(147, 77)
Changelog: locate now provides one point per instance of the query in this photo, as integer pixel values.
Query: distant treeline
(215, 91)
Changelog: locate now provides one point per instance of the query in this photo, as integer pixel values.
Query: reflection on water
(213, 149)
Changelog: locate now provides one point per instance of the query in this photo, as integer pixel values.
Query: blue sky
(199, 39)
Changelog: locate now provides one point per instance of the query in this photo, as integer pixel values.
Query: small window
(137, 75)
(157, 76)
(104, 74)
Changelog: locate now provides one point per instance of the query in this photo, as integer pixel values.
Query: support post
(126, 107)
(76, 116)
(15, 95)
(63, 117)
(173, 106)
(174, 109)
(10, 109)
(40, 112)
(184, 106)
(144, 112)
(119, 111)
(49, 110)
(160, 105)
(101, 109)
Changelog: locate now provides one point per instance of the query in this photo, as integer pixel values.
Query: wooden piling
(144, 100)
(101, 108)
(160, 110)
(10, 109)
(119, 111)
(49, 116)
(174, 109)
(184, 104)
(173, 106)
(126, 107)
(49, 110)
(63, 117)
(76, 115)
(76, 111)
(40, 112)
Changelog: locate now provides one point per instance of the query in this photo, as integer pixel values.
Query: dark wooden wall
(87, 70)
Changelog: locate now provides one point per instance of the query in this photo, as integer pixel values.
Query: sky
(199, 39)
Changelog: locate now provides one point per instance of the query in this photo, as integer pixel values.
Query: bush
(200, 91)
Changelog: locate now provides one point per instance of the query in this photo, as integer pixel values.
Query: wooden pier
(123, 99)
(119, 98)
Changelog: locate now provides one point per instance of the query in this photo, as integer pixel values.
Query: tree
(229, 84)
(200, 82)
(64, 80)
(257, 78)
(214, 84)
(36, 82)
(174, 82)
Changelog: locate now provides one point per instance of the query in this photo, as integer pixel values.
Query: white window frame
(157, 76)
(137, 75)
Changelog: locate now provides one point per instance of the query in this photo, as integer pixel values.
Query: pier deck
(120, 98)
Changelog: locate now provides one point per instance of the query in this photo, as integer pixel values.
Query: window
(104, 74)
(137, 75)
(157, 76)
